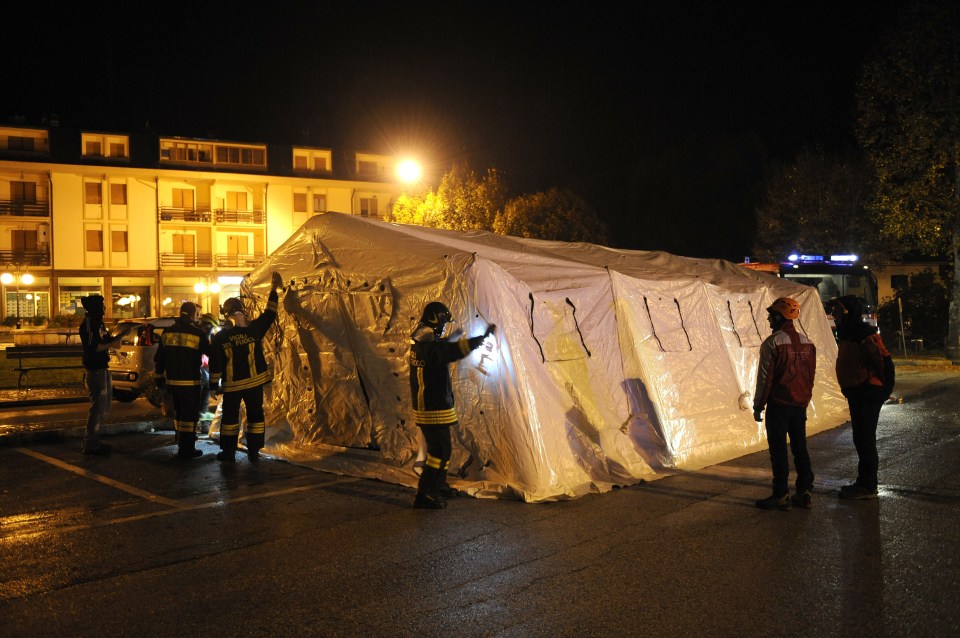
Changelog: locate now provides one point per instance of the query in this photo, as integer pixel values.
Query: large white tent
(608, 366)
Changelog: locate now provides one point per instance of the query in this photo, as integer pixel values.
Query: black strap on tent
(680, 314)
(653, 327)
(734, 323)
(532, 333)
(753, 318)
(577, 324)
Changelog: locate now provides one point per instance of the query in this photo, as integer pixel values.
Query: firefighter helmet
(231, 306)
(436, 316)
(209, 319)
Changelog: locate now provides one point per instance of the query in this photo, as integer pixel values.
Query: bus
(836, 276)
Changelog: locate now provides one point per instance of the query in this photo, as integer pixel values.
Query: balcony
(172, 213)
(20, 208)
(238, 262)
(186, 260)
(25, 257)
(224, 216)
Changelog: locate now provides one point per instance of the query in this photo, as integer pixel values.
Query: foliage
(65, 321)
(557, 214)
(925, 303)
(816, 205)
(908, 121)
(462, 201)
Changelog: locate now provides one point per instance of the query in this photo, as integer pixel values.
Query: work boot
(775, 502)
(228, 447)
(185, 445)
(254, 445)
(443, 488)
(429, 502)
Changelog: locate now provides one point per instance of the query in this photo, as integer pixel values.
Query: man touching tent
(432, 392)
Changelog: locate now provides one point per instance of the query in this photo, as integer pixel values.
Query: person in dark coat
(239, 365)
(432, 392)
(177, 364)
(861, 374)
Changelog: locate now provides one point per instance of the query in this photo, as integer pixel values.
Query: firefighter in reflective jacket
(239, 366)
(432, 393)
(177, 367)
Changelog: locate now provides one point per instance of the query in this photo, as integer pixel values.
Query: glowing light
(230, 281)
(27, 278)
(123, 301)
(793, 257)
(409, 171)
(214, 288)
(199, 287)
(29, 297)
(167, 301)
(6, 278)
(849, 258)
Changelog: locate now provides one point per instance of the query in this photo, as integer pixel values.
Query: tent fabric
(608, 366)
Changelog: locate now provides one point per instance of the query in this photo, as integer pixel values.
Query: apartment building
(150, 221)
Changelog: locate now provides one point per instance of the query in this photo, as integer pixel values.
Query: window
(92, 148)
(183, 198)
(300, 162)
(367, 170)
(118, 194)
(118, 149)
(184, 244)
(313, 160)
(320, 164)
(368, 206)
(23, 192)
(236, 200)
(93, 193)
(98, 145)
(94, 241)
(23, 239)
(319, 203)
(299, 202)
(17, 143)
(118, 240)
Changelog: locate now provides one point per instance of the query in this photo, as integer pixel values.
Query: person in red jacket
(861, 374)
(785, 372)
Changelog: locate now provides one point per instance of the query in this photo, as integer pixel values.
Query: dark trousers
(186, 407)
(783, 421)
(439, 449)
(230, 424)
(865, 402)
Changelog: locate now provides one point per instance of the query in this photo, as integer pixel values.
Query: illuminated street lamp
(409, 171)
(25, 278)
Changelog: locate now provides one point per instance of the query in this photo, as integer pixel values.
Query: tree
(816, 205)
(908, 122)
(462, 201)
(557, 214)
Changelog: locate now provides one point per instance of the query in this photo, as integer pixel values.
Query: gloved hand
(160, 382)
(491, 329)
(758, 415)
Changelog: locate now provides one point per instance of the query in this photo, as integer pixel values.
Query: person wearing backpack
(866, 375)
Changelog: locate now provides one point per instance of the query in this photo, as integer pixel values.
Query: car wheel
(125, 396)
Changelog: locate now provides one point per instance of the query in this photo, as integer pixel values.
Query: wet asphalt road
(142, 545)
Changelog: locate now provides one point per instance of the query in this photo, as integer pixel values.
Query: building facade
(151, 221)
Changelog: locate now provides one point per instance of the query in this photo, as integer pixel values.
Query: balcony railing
(24, 209)
(238, 261)
(186, 260)
(172, 213)
(224, 216)
(25, 257)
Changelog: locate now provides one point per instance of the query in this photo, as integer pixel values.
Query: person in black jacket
(239, 365)
(432, 393)
(177, 365)
(96, 360)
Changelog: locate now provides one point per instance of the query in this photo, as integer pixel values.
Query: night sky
(662, 116)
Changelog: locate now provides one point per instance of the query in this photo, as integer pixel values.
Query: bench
(42, 352)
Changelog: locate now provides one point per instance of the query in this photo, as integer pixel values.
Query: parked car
(131, 365)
